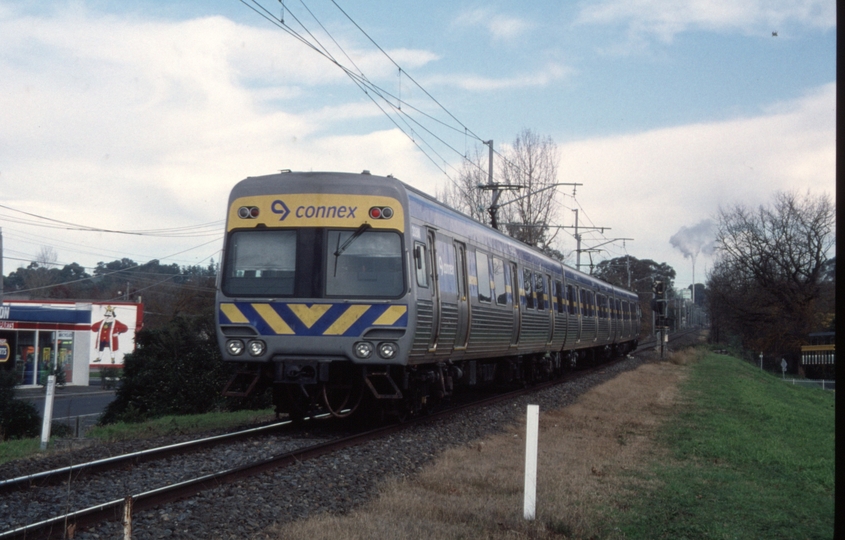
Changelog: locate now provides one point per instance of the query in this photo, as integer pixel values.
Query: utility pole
(496, 188)
(577, 237)
(577, 242)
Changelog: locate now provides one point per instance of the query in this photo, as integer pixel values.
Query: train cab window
(421, 263)
(528, 286)
(260, 263)
(365, 264)
(540, 288)
(482, 268)
(499, 281)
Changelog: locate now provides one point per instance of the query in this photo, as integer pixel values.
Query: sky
(124, 125)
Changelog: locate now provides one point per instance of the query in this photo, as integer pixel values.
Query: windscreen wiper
(358, 232)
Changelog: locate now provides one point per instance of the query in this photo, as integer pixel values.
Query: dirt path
(590, 455)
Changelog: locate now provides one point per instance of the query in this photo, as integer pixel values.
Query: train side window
(571, 300)
(527, 284)
(618, 313)
(421, 263)
(559, 295)
(499, 281)
(482, 268)
(540, 288)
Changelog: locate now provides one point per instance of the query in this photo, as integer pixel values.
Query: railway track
(123, 509)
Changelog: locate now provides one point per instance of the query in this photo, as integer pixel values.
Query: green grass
(168, 425)
(749, 457)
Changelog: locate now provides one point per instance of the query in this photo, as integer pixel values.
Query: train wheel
(341, 400)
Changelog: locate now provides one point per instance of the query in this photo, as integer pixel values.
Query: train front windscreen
(314, 263)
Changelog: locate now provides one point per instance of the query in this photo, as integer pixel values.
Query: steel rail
(141, 456)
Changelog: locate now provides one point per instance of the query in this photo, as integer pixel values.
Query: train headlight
(387, 350)
(363, 349)
(235, 347)
(256, 347)
(248, 212)
(381, 212)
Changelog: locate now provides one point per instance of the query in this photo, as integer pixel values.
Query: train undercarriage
(310, 388)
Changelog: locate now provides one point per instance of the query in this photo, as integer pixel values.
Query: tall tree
(531, 162)
(767, 282)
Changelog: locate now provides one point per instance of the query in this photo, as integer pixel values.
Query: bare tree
(463, 194)
(47, 257)
(767, 281)
(531, 162)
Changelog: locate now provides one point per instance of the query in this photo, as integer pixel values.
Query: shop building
(78, 337)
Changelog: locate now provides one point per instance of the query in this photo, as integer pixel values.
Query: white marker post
(531, 431)
(48, 411)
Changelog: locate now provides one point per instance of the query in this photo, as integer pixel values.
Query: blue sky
(140, 117)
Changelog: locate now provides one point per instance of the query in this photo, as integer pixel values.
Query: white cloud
(546, 75)
(648, 185)
(665, 18)
(500, 27)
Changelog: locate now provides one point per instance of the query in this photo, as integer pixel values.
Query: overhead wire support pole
(577, 236)
(496, 188)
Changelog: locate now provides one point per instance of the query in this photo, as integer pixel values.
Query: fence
(814, 383)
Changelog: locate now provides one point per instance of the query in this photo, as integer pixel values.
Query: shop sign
(7, 325)
(4, 351)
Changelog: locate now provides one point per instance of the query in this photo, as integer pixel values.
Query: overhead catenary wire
(392, 102)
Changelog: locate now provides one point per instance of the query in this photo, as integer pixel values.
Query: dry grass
(589, 457)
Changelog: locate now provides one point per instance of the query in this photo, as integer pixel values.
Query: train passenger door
(462, 329)
(517, 304)
(548, 300)
(435, 293)
(577, 311)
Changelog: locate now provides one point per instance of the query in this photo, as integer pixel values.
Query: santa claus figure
(108, 330)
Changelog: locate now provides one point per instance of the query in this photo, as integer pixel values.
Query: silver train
(355, 292)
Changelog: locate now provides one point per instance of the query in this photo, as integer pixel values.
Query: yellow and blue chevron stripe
(279, 318)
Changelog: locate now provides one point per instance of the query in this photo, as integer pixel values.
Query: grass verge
(749, 457)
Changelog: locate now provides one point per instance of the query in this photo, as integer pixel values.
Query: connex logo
(280, 208)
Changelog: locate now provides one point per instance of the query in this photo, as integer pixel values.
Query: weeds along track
(231, 489)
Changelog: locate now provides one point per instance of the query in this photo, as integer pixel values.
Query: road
(70, 404)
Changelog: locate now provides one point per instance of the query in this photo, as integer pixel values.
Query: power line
(203, 229)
